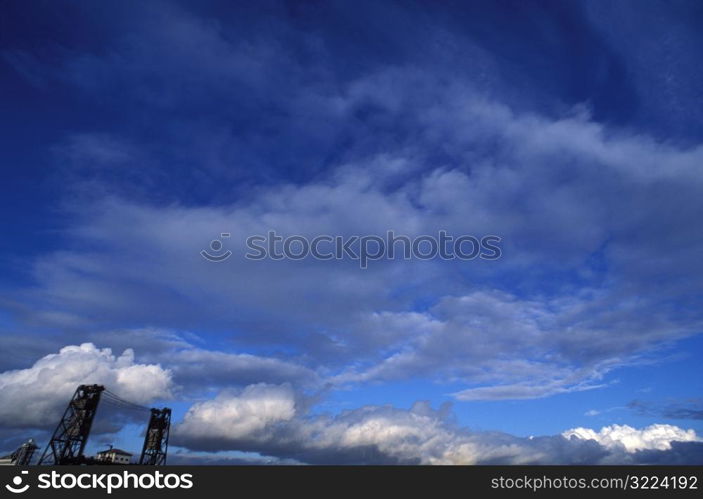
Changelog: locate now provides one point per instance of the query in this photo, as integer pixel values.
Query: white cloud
(507, 347)
(654, 437)
(239, 416)
(36, 396)
(596, 224)
(268, 420)
(196, 369)
(562, 193)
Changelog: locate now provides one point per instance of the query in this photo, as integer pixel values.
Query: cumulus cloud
(239, 416)
(367, 434)
(653, 437)
(267, 419)
(36, 396)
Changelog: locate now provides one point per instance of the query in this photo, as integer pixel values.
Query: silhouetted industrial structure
(156, 438)
(67, 444)
(68, 441)
(22, 456)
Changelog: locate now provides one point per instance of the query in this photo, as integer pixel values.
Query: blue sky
(135, 134)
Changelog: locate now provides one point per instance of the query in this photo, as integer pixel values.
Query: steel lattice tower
(68, 441)
(156, 438)
(24, 453)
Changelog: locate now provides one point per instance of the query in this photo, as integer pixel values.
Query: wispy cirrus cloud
(575, 254)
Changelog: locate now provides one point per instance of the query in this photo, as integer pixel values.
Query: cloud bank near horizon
(278, 421)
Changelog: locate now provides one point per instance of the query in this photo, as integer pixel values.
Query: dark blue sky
(136, 133)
